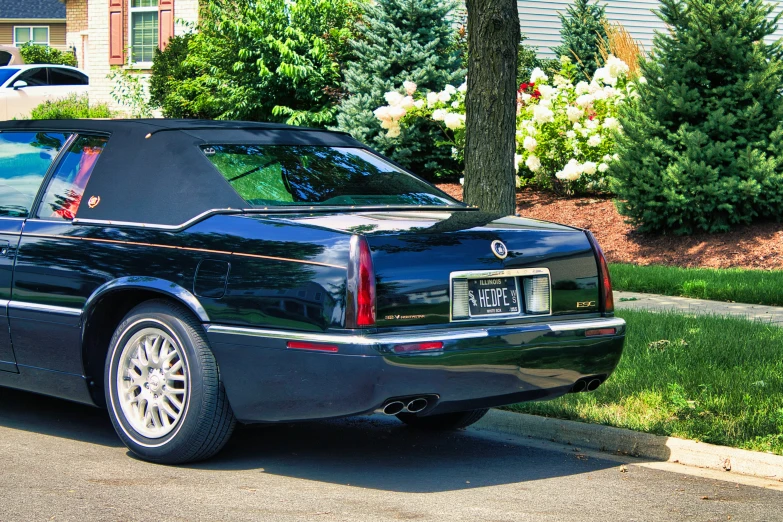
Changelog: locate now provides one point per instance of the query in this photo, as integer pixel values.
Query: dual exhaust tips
(587, 384)
(405, 406)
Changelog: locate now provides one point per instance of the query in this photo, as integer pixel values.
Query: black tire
(205, 421)
(444, 421)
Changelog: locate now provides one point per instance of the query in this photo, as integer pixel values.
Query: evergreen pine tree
(581, 32)
(702, 148)
(402, 40)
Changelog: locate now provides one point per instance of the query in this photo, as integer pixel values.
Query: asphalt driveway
(62, 461)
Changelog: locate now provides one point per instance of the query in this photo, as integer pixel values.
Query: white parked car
(24, 87)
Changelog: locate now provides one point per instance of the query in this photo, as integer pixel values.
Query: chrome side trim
(64, 310)
(4, 303)
(608, 322)
(266, 210)
(364, 340)
(170, 228)
(451, 334)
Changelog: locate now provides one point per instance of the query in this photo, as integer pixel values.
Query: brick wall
(75, 24)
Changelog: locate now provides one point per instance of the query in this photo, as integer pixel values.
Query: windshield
(278, 175)
(6, 73)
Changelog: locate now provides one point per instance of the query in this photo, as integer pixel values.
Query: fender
(155, 284)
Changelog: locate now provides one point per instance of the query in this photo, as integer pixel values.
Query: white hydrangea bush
(565, 133)
(446, 108)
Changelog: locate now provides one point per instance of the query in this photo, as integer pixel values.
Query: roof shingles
(32, 9)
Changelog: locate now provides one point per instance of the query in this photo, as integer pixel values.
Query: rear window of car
(280, 175)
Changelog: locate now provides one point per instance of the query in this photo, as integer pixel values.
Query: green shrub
(702, 148)
(170, 75)
(72, 107)
(582, 31)
(129, 90)
(528, 60)
(44, 54)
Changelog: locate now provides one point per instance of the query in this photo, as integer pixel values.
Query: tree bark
(491, 105)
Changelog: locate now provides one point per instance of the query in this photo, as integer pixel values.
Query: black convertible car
(190, 274)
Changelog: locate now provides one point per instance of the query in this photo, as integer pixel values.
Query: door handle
(5, 249)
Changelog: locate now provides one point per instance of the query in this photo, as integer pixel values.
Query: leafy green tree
(402, 41)
(582, 30)
(702, 148)
(32, 53)
(268, 60)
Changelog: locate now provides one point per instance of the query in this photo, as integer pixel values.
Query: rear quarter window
(63, 195)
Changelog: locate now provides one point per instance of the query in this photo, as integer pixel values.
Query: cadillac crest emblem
(499, 249)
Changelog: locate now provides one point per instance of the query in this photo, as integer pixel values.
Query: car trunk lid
(435, 267)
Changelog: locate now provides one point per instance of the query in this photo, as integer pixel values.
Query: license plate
(493, 296)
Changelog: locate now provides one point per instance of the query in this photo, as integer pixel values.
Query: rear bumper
(478, 367)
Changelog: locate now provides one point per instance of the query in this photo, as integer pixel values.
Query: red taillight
(418, 347)
(361, 285)
(607, 298)
(365, 296)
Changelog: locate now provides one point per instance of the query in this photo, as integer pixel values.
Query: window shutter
(116, 33)
(165, 22)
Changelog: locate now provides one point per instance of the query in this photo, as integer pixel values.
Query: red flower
(536, 94)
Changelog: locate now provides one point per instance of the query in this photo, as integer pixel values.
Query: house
(37, 21)
(122, 33)
(541, 24)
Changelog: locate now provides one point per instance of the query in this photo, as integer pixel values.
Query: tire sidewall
(177, 440)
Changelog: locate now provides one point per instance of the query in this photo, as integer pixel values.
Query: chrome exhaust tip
(579, 386)
(417, 405)
(393, 408)
(593, 385)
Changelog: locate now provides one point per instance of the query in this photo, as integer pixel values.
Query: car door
(53, 276)
(64, 82)
(25, 158)
(20, 102)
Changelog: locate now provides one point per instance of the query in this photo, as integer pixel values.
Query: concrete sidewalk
(663, 303)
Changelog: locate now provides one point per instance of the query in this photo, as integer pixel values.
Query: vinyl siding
(6, 34)
(540, 22)
(56, 33)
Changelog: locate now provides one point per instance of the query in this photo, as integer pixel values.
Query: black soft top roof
(153, 171)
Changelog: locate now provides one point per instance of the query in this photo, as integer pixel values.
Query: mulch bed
(759, 246)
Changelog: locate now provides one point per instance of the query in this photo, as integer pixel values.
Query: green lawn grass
(737, 285)
(716, 380)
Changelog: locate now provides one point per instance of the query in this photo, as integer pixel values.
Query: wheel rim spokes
(152, 382)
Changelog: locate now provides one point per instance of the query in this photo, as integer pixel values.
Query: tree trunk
(491, 105)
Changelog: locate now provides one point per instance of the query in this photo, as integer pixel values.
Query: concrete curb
(644, 445)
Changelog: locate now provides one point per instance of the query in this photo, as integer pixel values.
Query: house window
(33, 35)
(143, 22)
